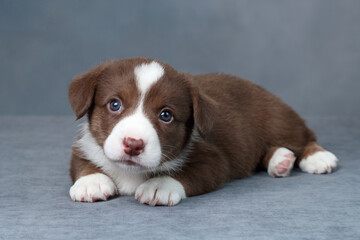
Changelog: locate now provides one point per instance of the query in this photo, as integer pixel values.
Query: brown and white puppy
(164, 135)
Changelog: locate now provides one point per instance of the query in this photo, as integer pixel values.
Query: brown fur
(240, 124)
(80, 166)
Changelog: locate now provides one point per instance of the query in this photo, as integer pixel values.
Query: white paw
(281, 163)
(319, 162)
(161, 191)
(92, 188)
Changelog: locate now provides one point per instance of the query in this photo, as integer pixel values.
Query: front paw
(160, 191)
(93, 187)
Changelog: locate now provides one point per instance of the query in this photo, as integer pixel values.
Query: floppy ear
(204, 110)
(82, 89)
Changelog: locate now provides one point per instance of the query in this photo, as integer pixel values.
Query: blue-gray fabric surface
(35, 204)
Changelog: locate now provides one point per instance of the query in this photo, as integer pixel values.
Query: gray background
(307, 52)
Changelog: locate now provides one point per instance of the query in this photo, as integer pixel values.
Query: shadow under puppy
(164, 135)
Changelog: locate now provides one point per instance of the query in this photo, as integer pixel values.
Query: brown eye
(115, 105)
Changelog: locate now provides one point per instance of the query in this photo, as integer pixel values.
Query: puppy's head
(141, 112)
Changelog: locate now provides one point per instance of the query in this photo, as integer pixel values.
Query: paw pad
(281, 163)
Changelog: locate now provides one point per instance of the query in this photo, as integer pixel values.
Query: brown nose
(133, 146)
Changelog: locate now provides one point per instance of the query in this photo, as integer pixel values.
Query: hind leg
(279, 161)
(316, 160)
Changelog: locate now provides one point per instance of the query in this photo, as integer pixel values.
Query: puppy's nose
(133, 146)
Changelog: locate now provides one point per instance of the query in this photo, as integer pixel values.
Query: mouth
(127, 162)
(132, 164)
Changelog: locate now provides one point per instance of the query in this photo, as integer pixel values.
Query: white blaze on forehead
(147, 74)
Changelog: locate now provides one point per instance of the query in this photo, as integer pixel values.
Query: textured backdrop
(307, 52)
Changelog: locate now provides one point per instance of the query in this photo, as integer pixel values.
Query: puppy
(164, 135)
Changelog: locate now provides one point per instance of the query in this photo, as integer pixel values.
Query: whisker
(169, 155)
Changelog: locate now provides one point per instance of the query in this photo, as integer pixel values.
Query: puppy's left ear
(204, 110)
(82, 90)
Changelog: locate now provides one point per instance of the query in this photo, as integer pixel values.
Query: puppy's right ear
(82, 90)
